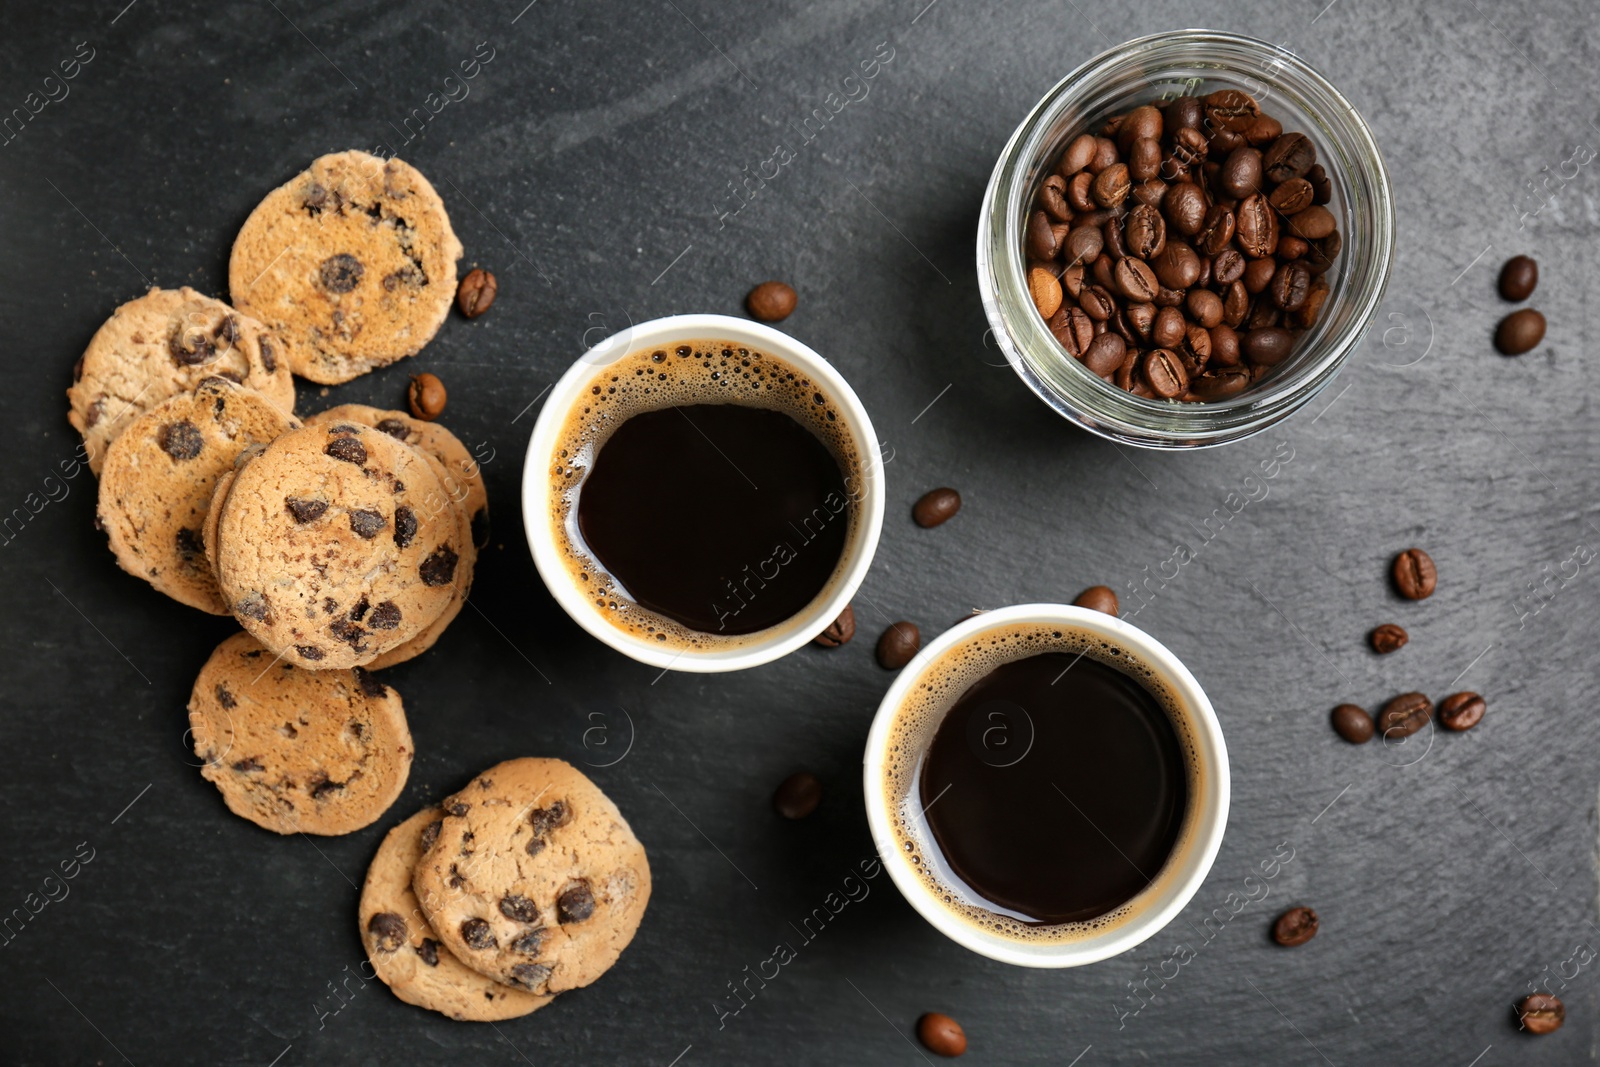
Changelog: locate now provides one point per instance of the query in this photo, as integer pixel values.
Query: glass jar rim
(1105, 410)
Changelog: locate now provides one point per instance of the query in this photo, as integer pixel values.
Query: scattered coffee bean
(1404, 715)
(1414, 574)
(1098, 598)
(1295, 927)
(1388, 638)
(771, 301)
(1352, 723)
(1519, 332)
(426, 396)
(898, 645)
(840, 630)
(797, 795)
(936, 507)
(1541, 1013)
(943, 1035)
(1518, 278)
(1461, 711)
(476, 293)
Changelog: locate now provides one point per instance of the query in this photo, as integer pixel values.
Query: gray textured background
(593, 154)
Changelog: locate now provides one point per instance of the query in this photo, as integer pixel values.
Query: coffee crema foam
(682, 373)
(919, 716)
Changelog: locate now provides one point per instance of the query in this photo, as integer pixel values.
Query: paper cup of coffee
(1047, 785)
(703, 493)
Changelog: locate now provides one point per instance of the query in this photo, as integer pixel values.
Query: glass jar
(1150, 70)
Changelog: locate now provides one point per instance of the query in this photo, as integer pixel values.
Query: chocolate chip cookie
(159, 476)
(534, 879)
(161, 344)
(463, 479)
(352, 262)
(335, 544)
(405, 951)
(318, 752)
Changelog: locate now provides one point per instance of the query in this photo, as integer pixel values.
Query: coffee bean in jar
(1189, 244)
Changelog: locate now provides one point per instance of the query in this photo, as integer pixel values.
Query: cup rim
(1214, 801)
(787, 636)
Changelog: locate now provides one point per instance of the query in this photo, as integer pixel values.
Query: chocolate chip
(357, 613)
(228, 329)
(348, 449)
(224, 697)
(369, 684)
(395, 428)
(480, 527)
(365, 523)
(304, 510)
(388, 931)
(839, 630)
(457, 808)
(575, 904)
(430, 833)
(253, 606)
(1295, 927)
(530, 974)
(543, 820)
(899, 643)
(324, 787)
(520, 908)
(429, 951)
(530, 943)
(456, 879)
(350, 633)
(189, 545)
(386, 616)
(247, 765)
(408, 275)
(268, 359)
(439, 568)
(477, 934)
(535, 846)
(97, 409)
(341, 273)
(180, 440)
(187, 352)
(310, 652)
(405, 525)
(1387, 638)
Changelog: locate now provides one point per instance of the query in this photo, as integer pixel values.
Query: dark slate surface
(589, 167)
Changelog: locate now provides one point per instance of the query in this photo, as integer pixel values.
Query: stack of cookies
(525, 884)
(342, 544)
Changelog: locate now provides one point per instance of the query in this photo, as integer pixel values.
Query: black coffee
(725, 518)
(1055, 788)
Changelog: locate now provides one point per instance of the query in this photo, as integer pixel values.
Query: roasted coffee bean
(1142, 123)
(1168, 298)
(1388, 638)
(1290, 285)
(1263, 314)
(1168, 329)
(1461, 711)
(1053, 198)
(1404, 715)
(1216, 233)
(1227, 267)
(1083, 244)
(898, 644)
(1097, 303)
(1136, 281)
(1295, 927)
(1353, 724)
(1241, 173)
(1518, 278)
(1189, 147)
(1224, 346)
(1204, 280)
(1414, 574)
(1221, 384)
(1072, 281)
(1292, 196)
(1177, 267)
(1105, 354)
(1111, 186)
(1164, 373)
(477, 291)
(1519, 332)
(1263, 131)
(840, 630)
(1077, 155)
(1184, 112)
(1306, 315)
(1541, 1013)
(1258, 274)
(1041, 239)
(1140, 319)
(1102, 272)
(941, 1034)
(1144, 159)
(1098, 598)
(936, 507)
(1267, 347)
(1232, 109)
(1105, 155)
(1235, 304)
(1152, 193)
(1290, 156)
(1079, 198)
(1111, 233)
(1074, 329)
(1312, 224)
(1256, 226)
(1205, 307)
(1291, 247)
(426, 396)
(797, 795)
(1045, 290)
(1146, 232)
(1185, 208)
(1196, 350)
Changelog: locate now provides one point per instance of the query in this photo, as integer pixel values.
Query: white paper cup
(1179, 879)
(753, 649)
